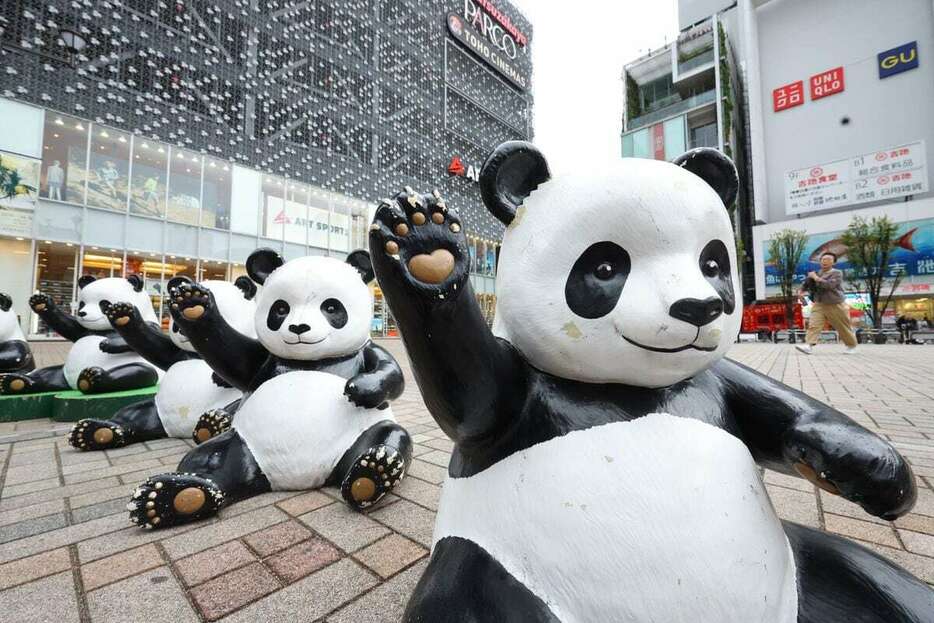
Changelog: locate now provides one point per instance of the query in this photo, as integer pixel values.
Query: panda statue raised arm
(189, 388)
(100, 360)
(15, 355)
(315, 409)
(604, 466)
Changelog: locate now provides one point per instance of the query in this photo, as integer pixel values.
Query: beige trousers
(838, 315)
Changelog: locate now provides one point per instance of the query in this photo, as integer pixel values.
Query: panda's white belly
(298, 426)
(658, 520)
(186, 391)
(86, 353)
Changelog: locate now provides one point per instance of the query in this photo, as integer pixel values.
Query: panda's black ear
(136, 281)
(713, 167)
(509, 175)
(176, 281)
(261, 263)
(5, 302)
(360, 259)
(246, 286)
(84, 280)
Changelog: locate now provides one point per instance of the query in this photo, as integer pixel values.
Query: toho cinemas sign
(490, 34)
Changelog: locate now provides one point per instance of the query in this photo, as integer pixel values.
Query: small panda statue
(315, 409)
(189, 388)
(100, 360)
(15, 355)
(604, 466)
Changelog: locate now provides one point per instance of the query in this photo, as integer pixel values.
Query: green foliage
(11, 184)
(869, 247)
(785, 250)
(633, 103)
(726, 89)
(683, 57)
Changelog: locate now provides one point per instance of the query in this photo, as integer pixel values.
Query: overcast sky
(579, 47)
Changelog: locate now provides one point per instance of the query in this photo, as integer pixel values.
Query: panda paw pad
(172, 499)
(372, 476)
(190, 300)
(211, 424)
(96, 435)
(425, 237)
(120, 314)
(11, 384)
(90, 379)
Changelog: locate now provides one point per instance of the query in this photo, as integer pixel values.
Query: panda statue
(15, 355)
(189, 388)
(100, 360)
(604, 466)
(315, 409)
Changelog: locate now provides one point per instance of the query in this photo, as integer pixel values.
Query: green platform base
(73, 406)
(29, 407)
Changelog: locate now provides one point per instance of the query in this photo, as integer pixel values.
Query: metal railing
(669, 111)
(695, 62)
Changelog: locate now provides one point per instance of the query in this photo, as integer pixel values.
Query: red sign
(658, 141)
(788, 96)
(827, 83)
(456, 167)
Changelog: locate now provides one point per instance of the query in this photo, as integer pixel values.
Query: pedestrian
(927, 323)
(901, 323)
(826, 288)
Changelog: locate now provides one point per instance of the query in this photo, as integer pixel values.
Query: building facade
(176, 137)
(839, 119)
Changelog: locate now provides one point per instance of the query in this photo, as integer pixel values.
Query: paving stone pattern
(68, 553)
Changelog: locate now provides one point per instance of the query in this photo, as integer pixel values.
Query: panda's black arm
(60, 321)
(789, 431)
(235, 357)
(146, 338)
(16, 356)
(380, 381)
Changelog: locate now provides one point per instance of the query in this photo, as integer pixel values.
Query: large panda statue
(315, 409)
(604, 466)
(189, 388)
(15, 354)
(100, 360)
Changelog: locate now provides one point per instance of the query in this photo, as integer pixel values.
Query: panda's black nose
(697, 312)
(298, 329)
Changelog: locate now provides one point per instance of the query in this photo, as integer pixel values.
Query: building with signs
(840, 126)
(175, 137)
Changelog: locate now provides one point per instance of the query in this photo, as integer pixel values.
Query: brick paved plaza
(68, 553)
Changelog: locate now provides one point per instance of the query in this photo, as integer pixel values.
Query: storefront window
(675, 139)
(100, 262)
(149, 266)
(55, 275)
(184, 187)
(211, 270)
(109, 169)
(244, 214)
(319, 218)
(340, 223)
(273, 196)
(64, 158)
(150, 173)
(296, 212)
(215, 211)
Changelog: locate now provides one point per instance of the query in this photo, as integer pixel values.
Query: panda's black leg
(38, 381)
(214, 422)
(839, 580)
(133, 423)
(96, 380)
(220, 471)
(464, 583)
(373, 465)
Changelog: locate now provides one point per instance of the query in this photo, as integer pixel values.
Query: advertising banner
(897, 60)
(294, 222)
(880, 175)
(495, 56)
(913, 256)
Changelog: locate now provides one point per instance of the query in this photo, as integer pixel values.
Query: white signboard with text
(876, 176)
(293, 220)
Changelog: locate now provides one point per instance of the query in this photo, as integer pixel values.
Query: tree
(785, 250)
(869, 247)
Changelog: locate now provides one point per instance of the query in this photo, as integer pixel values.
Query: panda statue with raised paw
(189, 388)
(15, 355)
(315, 409)
(604, 466)
(99, 361)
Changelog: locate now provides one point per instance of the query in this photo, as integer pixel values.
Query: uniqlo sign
(788, 96)
(827, 83)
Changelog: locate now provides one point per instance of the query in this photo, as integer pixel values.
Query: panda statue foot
(172, 499)
(89, 381)
(12, 384)
(211, 424)
(372, 476)
(96, 435)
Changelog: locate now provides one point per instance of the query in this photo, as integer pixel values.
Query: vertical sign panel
(658, 141)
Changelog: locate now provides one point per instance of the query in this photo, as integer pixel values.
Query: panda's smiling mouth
(678, 349)
(301, 341)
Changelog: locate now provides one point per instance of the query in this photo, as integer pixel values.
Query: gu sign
(897, 60)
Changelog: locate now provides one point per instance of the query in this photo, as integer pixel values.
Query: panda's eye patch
(334, 312)
(710, 268)
(596, 280)
(81, 305)
(277, 315)
(714, 264)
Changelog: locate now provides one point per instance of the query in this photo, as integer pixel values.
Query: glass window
(675, 143)
(181, 240)
(103, 229)
(55, 276)
(244, 213)
(211, 270)
(273, 196)
(641, 144)
(22, 127)
(150, 173)
(19, 181)
(704, 136)
(319, 218)
(296, 212)
(215, 211)
(64, 158)
(109, 169)
(16, 275)
(627, 146)
(241, 247)
(144, 233)
(293, 251)
(340, 223)
(184, 187)
(214, 244)
(101, 262)
(148, 266)
(63, 222)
